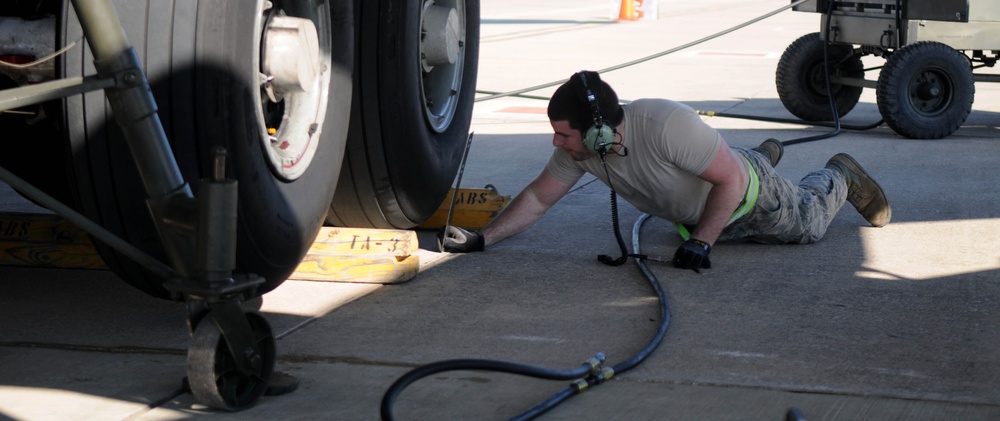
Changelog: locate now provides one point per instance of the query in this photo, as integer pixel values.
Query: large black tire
(202, 59)
(926, 90)
(801, 79)
(408, 126)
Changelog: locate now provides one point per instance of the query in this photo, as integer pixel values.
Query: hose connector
(595, 362)
(606, 374)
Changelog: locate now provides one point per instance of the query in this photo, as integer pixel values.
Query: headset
(601, 134)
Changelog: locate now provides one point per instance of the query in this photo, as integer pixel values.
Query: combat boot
(772, 149)
(862, 190)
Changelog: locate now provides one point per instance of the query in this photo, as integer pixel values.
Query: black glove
(693, 254)
(458, 240)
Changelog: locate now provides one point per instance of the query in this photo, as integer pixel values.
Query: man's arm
(729, 184)
(526, 208)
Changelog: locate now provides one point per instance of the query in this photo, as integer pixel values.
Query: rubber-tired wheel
(212, 372)
(801, 78)
(414, 90)
(926, 90)
(268, 80)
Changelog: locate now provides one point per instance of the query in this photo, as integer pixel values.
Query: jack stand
(232, 353)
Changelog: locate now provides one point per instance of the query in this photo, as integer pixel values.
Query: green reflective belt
(749, 199)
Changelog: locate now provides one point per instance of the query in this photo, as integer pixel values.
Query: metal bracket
(55, 89)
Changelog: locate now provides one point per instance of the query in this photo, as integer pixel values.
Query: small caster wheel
(212, 372)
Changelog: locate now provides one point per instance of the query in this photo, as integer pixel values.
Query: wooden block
(361, 255)
(46, 241)
(473, 210)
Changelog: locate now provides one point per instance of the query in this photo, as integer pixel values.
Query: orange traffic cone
(627, 11)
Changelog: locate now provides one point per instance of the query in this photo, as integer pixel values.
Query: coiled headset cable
(606, 259)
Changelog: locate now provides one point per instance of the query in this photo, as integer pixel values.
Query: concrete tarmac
(897, 323)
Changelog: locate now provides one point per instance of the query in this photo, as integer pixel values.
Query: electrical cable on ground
(589, 374)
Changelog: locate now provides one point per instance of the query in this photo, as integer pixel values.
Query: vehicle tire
(207, 63)
(409, 121)
(926, 90)
(801, 79)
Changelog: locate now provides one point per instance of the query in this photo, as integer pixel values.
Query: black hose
(660, 294)
(628, 364)
(587, 375)
(829, 89)
(488, 365)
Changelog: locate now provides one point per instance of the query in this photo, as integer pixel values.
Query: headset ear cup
(596, 137)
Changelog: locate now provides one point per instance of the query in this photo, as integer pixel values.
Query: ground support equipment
(925, 90)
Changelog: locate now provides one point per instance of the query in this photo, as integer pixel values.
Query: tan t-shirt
(668, 147)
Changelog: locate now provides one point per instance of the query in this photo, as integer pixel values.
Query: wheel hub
(442, 59)
(928, 91)
(291, 54)
(294, 75)
(441, 36)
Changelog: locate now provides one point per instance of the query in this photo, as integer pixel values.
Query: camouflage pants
(785, 212)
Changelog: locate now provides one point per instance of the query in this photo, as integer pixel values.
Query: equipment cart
(925, 89)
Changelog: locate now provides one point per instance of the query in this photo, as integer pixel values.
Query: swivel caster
(213, 373)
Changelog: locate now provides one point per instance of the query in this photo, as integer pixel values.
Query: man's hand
(693, 254)
(458, 240)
